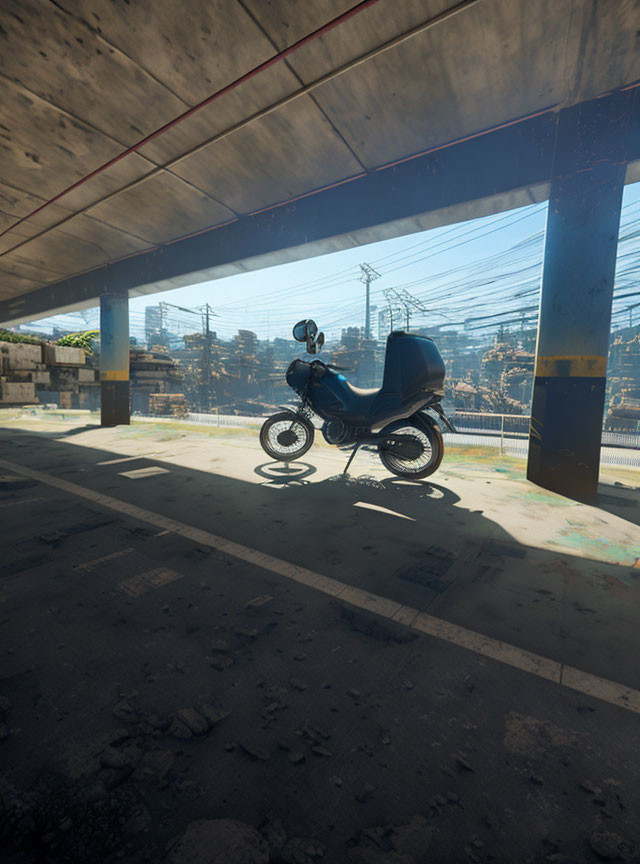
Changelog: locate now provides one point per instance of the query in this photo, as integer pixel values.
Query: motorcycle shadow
(410, 492)
(409, 496)
(285, 473)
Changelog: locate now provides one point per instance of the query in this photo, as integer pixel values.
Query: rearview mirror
(300, 330)
(306, 331)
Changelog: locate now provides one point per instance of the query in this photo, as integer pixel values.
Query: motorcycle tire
(286, 436)
(414, 469)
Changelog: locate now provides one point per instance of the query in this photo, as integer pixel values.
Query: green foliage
(82, 340)
(9, 336)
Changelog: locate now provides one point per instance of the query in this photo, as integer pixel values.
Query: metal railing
(214, 419)
(508, 432)
(517, 426)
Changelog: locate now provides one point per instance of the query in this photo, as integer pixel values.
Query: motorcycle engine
(336, 432)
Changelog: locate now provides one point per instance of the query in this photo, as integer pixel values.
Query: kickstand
(353, 453)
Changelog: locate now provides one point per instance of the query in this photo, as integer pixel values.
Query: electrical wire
(480, 293)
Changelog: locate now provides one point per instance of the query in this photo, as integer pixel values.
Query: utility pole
(207, 361)
(205, 384)
(368, 274)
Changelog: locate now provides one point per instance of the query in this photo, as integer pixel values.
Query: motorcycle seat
(362, 392)
(359, 402)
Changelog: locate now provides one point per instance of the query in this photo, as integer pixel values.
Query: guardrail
(618, 448)
(227, 419)
(517, 425)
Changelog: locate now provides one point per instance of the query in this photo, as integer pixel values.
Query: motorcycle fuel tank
(298, 375)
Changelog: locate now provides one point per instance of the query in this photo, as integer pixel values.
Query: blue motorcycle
(397, 420)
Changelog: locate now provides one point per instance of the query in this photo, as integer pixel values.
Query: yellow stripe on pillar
(114, 375)
(571, 366)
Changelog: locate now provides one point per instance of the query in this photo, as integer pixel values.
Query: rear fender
(421, 418)
(425, 417)
(425, 420)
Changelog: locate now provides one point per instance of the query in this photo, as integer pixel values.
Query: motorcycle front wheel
(286, 437)
(432, 447)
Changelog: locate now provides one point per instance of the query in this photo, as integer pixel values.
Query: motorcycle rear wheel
(286, 436)
(427, 463)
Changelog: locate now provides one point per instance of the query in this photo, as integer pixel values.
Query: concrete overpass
(158, 144)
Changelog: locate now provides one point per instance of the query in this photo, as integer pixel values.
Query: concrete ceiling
(82, 80)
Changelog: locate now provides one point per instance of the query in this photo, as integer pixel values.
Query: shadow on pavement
(620, 500)
(412, 542)
(222, 691)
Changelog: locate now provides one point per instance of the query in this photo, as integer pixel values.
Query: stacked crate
(168, 405)
(67, 370)
(89, 385)
(21, 370)
(152, 372)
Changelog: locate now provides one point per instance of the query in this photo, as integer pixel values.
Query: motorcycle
(396, 420)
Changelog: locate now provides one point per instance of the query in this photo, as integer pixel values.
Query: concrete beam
(516, 157)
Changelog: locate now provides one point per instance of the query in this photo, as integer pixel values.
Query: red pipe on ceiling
(335, 22)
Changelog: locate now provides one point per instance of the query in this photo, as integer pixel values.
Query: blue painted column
(114, 359)
(575, 305)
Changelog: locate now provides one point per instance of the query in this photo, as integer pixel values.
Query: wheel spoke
(286, 437)
(411, 466)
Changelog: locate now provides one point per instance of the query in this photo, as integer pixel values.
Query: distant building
(153, 330)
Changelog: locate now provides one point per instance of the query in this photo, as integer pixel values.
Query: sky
(441, 267)
(269, 303)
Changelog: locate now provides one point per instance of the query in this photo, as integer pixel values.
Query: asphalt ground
(326, 732)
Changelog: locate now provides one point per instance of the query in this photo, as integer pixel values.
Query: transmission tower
(393, 311)
(367, 275)
(408, 302)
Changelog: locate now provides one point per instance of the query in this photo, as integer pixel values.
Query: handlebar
(330, 366)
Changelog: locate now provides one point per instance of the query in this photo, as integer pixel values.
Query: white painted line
(494, 648)
(138, 473)
(124, 459)
(503, 652)
(148, 581)
(601, 688)
(19, 502)
(89, 565)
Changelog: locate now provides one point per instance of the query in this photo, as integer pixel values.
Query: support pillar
(114, 360)
(575, 305)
